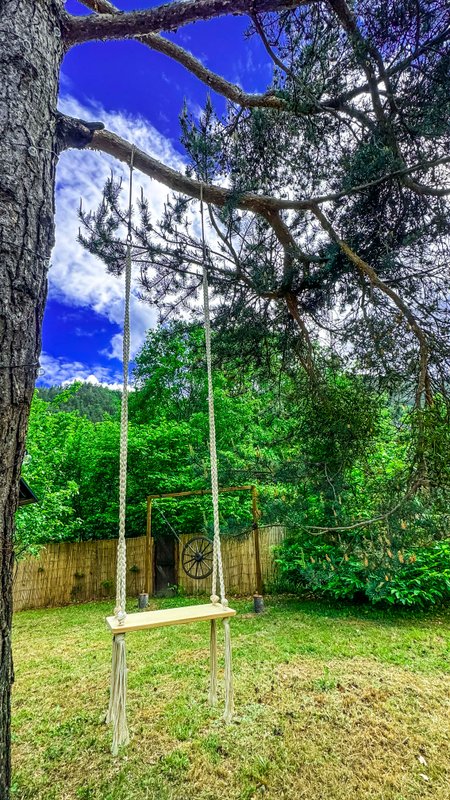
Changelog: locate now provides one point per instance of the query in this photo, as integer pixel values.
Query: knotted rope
(121, 587)
(217, 552)
(118, 695)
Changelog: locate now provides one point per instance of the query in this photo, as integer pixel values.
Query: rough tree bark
(30, 57)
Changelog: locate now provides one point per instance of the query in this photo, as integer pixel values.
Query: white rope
(121, 582)
(217, 554)
(117, 711)
(217, 551)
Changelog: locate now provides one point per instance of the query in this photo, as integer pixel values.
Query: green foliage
(370, 515)
(52, 520)
(407, 577)
(89, 400)
(49, 445)
(170, 374)
(361, 482)
(76, 460)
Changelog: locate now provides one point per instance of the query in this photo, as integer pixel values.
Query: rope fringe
(116, 715)
(213, 658)
(213, 661)
(229, 692)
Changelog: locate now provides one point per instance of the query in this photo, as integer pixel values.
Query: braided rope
(217, 554)
(121, 582)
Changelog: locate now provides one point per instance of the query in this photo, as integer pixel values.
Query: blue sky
(138, 94)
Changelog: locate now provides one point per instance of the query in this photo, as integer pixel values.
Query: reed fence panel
(79, 571)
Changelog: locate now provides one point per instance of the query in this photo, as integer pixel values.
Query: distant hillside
(90, 401)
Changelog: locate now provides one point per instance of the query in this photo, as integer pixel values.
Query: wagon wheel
(197, 558)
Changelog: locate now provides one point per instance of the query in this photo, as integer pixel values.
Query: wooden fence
(74, 572)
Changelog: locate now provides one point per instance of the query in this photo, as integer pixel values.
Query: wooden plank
(169, 616)
(197, 492)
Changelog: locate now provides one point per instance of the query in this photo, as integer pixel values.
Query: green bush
(423, 579)
(409, 577)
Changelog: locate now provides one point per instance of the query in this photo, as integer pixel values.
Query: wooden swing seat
(144, 620)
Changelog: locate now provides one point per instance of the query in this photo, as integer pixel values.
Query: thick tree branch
(214, 81)
(74, 133)
(119, 148)
(163, 18)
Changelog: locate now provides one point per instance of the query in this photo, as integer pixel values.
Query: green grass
(332, 703)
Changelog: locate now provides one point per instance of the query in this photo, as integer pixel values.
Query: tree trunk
(30, 58)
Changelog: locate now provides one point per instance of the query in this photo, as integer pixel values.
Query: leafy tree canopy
(351, 139)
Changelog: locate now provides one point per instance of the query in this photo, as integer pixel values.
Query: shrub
(408, 577)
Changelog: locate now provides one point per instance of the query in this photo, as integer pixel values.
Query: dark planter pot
(258, 603)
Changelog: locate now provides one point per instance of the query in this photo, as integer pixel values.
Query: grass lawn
(332, 702)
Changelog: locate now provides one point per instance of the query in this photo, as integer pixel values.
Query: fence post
(255, 515)
(148, 550)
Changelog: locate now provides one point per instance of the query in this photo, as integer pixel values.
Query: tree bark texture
(30, 58)
(165, 17)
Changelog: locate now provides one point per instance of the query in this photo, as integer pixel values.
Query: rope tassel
(213, 658)
(116, 715)
(229, 692)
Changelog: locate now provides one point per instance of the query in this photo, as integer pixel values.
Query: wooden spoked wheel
(197, 558)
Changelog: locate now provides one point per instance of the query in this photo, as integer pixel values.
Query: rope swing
(121, 622)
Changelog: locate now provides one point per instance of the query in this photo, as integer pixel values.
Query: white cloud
(76, 277)
(57, 371)
(93, 381)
